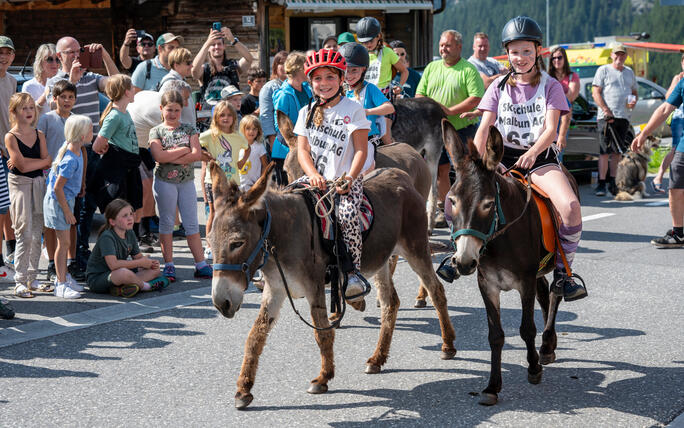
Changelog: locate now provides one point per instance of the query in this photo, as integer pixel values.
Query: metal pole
(548, 30)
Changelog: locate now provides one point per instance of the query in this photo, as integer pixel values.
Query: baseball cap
(167, 38)
(230, 91)
(345, 37)
(618, 47)
(145, 36)
(6, 42)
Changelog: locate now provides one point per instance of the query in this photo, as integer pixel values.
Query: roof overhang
(389, 6)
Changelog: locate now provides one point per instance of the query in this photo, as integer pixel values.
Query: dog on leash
(632, 170)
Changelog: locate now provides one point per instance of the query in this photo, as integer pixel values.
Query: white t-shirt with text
(251, 170)
(331, 143)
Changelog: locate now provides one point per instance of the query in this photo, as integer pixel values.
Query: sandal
(20, 290)
(658, 187)
(42, 287)
(127, 290)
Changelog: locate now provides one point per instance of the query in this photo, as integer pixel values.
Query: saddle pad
(546, 215)
(326, 221)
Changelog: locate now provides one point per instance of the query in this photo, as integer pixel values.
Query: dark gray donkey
(240, 226)
(509, 261)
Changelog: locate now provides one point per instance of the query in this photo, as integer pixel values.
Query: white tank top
(521, 125)
(373, 72)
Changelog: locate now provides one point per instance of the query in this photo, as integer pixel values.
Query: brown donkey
(509, 261)
(242, 220)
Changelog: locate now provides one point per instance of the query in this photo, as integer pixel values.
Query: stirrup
(446, 271)
(364, 293)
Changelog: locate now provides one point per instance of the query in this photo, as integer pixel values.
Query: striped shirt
(87, 99)
(4, 189)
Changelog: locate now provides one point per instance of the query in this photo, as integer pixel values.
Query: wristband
(235, 41)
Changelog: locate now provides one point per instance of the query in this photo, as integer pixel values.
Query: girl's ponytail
(115, 89)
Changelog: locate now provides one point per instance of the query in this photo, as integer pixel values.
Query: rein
(499, 218)
(265, 248)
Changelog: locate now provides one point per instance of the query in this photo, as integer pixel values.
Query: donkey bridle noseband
(498, 220)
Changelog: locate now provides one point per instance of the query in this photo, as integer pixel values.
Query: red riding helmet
(325, 58)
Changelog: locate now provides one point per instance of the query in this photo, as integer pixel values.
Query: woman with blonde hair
(45, 66)
(28, 157)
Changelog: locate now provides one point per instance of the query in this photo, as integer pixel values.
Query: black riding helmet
(355, 54)
(520, 28)
(367, 29)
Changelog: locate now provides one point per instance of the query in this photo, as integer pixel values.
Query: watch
(235, 41)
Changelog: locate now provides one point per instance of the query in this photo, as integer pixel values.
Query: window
(648, 92)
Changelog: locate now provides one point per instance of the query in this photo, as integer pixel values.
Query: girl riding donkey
(333, 140)
(520, 104)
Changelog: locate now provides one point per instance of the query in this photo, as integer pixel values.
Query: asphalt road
(169, 359)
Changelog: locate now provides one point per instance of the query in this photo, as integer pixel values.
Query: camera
(216, 26)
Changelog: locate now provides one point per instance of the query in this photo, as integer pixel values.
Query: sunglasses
(402, 54)
(51, 60)
(556, 58)
(146, 44)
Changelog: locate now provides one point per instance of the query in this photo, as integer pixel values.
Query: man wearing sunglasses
(144, 46)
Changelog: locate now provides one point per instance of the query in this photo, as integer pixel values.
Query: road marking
(596, 216)
(659, 203)
(80, 320)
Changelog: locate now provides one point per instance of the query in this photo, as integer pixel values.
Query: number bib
(522, 124)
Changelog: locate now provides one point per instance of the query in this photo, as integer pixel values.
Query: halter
(499, 219)
(261, 247)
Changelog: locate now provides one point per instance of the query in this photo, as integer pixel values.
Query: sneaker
(76, 272)
(207, 254)
(73, 284)
(6, 310)
(170, 272)
(150, 240)
(572, 290)
(670, 240)
(64, 291)
(159, 283)
(51, 273)
(600, 190)
(205, 272)
(357, 288)
(6, 274)
(9, 259)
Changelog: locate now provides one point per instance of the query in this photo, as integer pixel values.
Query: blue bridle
(261, 247)
(498, 220)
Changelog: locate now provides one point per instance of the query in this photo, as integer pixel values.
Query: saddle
(326, 214)
(549, 222)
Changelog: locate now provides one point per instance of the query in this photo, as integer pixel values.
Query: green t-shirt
(389, 58)
(109, 244)
(119, 129)
(451, 85)
(170, 139)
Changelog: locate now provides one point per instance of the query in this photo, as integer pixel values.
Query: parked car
(650, 97)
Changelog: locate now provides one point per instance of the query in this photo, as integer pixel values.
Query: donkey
(418, 124)
(511, 260)
(240, 226)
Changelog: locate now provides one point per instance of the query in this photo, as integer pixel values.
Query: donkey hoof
(545, 359)
(358, 305)
(242, 401)
(448, 354)
(535, 378)
(488, 399)
(317, 388)
(373, 369)
(420, 303)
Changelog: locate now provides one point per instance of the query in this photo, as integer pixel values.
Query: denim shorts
(53, 214)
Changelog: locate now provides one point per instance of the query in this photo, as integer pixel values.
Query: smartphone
(216, 26)
(139, 33)
(90, 60)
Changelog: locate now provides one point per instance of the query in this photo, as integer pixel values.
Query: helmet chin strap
(513, 72)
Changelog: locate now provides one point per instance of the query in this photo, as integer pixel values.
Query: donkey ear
(494, 151)
(257, 190)
(285, 128)
(452, 142)
(220, 186)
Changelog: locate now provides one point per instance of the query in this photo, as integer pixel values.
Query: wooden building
(264, 26)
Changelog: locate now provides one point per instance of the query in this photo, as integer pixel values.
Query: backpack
(148, 74)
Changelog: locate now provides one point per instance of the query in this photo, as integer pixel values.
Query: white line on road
(596, 216)
(659, 203)
(80, 320)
